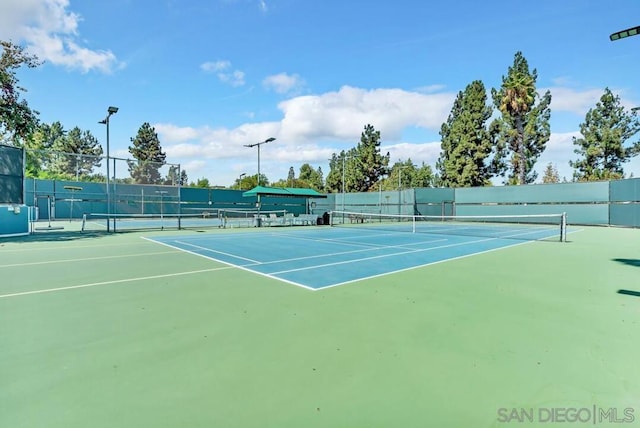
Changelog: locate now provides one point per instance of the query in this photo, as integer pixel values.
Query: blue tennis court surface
(317, 258)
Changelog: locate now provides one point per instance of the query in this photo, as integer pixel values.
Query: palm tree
(516, 98)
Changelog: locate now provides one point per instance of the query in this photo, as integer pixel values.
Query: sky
(212, 76)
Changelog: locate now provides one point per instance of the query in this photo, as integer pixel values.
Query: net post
(563, 227)
(84, 222)
(330, 218)
(413, 220)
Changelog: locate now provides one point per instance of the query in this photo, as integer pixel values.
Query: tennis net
(524, 227)
(131, 222)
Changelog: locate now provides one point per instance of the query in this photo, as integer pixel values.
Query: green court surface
(101, 330)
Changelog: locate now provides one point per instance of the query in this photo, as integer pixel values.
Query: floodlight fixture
(625, 33)
(268, 140)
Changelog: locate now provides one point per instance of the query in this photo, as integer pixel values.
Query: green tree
(78, 153)
(184, 179)
(406, 174)
(40, 146)
(344, 172)
(466, 142)
(605, 131)
(312, 177)
(248, 182)
(17, 120)
(308, 179)
(369, 163)
(523, 130)
(203, 183)
(423, 177)
(359, 169)
(147, 151)
(551, 174)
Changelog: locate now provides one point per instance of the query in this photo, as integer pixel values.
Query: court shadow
(50, 236)
(629, 262)
(629, 293)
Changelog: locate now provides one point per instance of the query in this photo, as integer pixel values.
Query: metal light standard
(240, 180)
(400, 168)
(344, 159)
(111, 110)
(268, 140)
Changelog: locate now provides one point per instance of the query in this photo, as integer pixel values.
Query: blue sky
(214, 75)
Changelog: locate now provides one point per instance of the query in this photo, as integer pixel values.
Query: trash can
(326, 219)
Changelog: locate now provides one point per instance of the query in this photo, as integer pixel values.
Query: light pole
(344, 159)
(400, 176)
(268, 140)
(240, 180)
(111, 110)
(400, 168)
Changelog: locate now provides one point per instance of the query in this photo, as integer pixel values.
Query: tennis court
(200, 329)
(326, 257)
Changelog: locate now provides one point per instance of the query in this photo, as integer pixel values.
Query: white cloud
(213, 66)
(431, 88)
(418, 153)
(50, 31)
(343, 114)
(224, 71)
(283, 83)
(312, 128)
(571, 100)
(263, 5)
(175, 134)
(310, 123)
(210, 143)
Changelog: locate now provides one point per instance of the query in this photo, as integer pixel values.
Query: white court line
(369, 247)
(424, 265)
(85, 259)
(433, 263)
(339, 253)
(383, 256)
(341, 241)
(231, 265)
(34, 248)
(216, 251)
(117, 281)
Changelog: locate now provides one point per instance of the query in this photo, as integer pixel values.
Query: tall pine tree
(369, 164)
(551, 174)
(524, 127)
(602, 150)
(146, 150)
(466, 142)
(78, 153)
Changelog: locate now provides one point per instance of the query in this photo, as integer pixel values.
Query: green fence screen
(11, 175)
